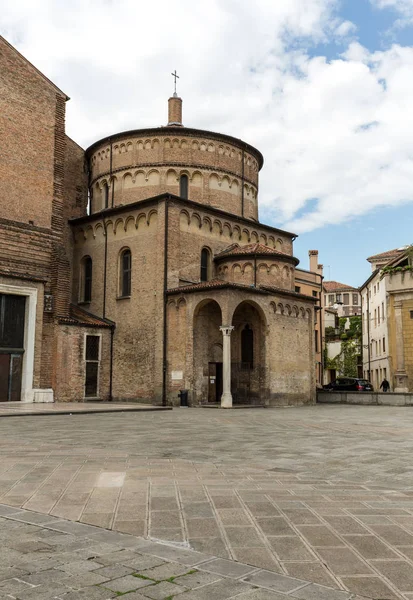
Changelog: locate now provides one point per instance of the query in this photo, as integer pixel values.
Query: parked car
(349, 383)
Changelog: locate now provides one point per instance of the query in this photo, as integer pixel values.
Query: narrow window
(183, 187)
(297, 289)
(125, 273)
(86, 280)
(331, 299)
(355, 299)
(92, 359)
(384, 344)
(378, 315)
(247, 347)
(205, 264)
(346, 299)
(315, 294)
(105, 195)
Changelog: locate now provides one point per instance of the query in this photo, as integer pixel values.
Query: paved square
(321, 494)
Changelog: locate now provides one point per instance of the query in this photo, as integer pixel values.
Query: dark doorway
(215, 382)
(12, 315)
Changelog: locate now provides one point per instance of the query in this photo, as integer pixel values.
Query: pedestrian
(385, 385)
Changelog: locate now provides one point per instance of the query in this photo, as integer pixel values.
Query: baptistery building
(158, 276)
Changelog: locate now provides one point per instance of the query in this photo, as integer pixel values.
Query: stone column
(226, 398)
(400, 375)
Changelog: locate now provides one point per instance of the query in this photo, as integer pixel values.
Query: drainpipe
(165, 298)
(368, 331)
(242, 182)
(112, 333)
(105, 262)
(255, 270)
(110, 175)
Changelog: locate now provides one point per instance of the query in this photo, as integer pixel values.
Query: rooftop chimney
(314, 266)
(175, 111)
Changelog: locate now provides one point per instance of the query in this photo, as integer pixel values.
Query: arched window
(125, 273)
(205, 264)
(183, 186)
(105, 195)
(86, 280)
(247, 347)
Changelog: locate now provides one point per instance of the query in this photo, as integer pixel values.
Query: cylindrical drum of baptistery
(256, 265)
(209, 168)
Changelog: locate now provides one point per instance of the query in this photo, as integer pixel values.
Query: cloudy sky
(324, 88)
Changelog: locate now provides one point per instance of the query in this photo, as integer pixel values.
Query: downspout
(112, 333)
(242, 182)
(368, 331)
(165, 298)
(321, 328)
(255, 270)
(105, 268)
(110, 175)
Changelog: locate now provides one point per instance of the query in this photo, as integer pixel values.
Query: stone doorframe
(28, 393)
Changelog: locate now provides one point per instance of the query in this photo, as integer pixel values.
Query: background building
(310, 283)
(387, 300)
(342, 331)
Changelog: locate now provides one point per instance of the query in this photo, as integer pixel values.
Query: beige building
(167, 281)
(345, 299)
(387, 301)
(310, 283)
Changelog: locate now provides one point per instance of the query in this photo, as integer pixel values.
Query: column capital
(226, 329)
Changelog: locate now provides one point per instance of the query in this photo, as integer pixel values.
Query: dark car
(349, 383)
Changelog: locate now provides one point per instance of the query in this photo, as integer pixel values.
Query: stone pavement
(321, 494)
(43, 557)
(15, 409)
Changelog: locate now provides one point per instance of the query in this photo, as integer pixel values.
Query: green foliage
(347, 359)
(330, 333)
(345, 363)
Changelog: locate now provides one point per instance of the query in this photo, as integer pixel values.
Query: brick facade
(164, 196)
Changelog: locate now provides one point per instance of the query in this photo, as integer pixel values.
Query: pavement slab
(319, 494)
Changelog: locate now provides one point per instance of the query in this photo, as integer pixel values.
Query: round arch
(248, 353)
(207, 352)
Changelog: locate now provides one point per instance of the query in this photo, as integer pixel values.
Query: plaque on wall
(177, 375)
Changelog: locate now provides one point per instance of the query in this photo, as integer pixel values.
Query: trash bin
(183, 395)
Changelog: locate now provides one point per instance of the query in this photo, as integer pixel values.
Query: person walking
(385, 385)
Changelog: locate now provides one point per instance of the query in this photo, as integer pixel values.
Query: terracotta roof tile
(389, 254)
(336, 286)
(256, 248)
(82, 318)
(220, 283)
(206, 285)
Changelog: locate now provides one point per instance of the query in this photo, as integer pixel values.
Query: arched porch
(207, 352)
(248, 354)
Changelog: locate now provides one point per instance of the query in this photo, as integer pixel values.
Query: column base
(400, 382)
(226, 400)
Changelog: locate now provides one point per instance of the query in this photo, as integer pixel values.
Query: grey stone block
(318, 592)
(279, 583)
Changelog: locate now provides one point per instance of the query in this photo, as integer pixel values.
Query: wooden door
(15, 385)
(4, 377)
(215, 382)
(212, 383)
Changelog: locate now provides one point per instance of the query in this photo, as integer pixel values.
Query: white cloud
(333, 131)
(405, 7)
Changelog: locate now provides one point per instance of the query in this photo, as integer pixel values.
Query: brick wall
(143, 166)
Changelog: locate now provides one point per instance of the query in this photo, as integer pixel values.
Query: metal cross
(174, 74)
